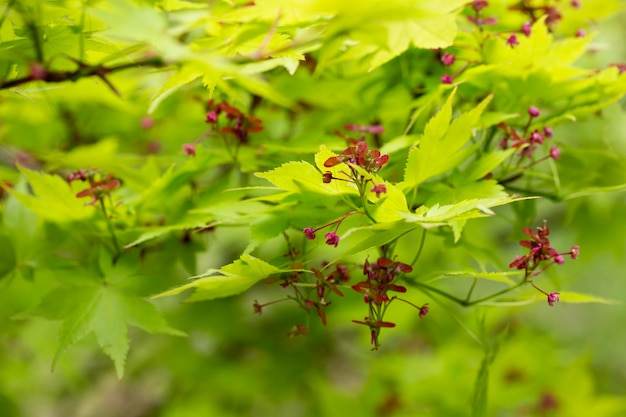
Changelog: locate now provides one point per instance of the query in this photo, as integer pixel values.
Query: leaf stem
(419, 250)
(443, 293)
(116, 245)
(466, 302)
(496, 294)
(471, 290)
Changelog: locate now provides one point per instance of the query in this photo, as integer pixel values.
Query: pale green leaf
(291, 176)
(359, 239)
(104, 310)
(8, 260)
(110, 329)
(185, 75)
(575, 297)
(437, 215)
(235, 278)
(487, 163)
(100, 154)
(53, 199)
(78, 321)
(490, 276)
(441, 147)
(390, 204)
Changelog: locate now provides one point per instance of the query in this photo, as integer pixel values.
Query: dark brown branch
(83, 71)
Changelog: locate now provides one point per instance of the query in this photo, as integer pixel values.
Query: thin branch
(83, 71)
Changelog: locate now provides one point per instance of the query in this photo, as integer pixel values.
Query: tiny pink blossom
(512, 41)
(527, 29)
(533, 111)
(309, 233)
(189, 149)
(146, 122)
(553, 297)
(447, 59)
(555, 153)
(446, 79)
(332, 239)
(424, 311)
(536, 137)
(575, 251)
(580, 33)
(211, 117)
(559, 259)
(575, 4)
(548, 132)
(478, 5)
(490, 21)
(379, 189)
(38, 71)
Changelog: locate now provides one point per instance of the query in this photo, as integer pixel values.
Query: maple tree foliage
(346, 171)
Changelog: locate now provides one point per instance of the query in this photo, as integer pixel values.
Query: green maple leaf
(105, 311)
(229, 280)
(455, 215)
(52, 198)
(442, 146)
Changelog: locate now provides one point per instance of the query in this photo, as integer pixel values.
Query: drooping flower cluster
(534, 11)
(238, 124)
(99, 185)
(234, 128)
(311, 296)
(478, 19)
(360, 155)
(540, 256)
(380, 279)
(526, 142)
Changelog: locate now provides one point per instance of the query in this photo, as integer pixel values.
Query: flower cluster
(534, 11)
(238, 124)
(540, 251)
(477, 18)
(311, 296)
(360, 155)
(540, 254)
(99, 185)
(526, 142)
(380, 278)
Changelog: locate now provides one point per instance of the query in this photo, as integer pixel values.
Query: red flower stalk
(98, 186)
(240, 125)
(540, 252)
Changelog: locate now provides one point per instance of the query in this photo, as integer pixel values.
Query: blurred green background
(567, 361)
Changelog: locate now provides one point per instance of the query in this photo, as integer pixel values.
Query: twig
(83, 71)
